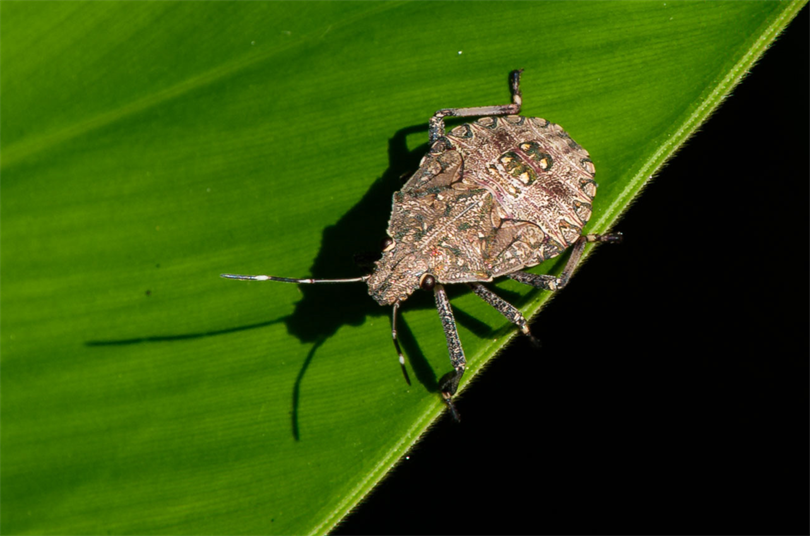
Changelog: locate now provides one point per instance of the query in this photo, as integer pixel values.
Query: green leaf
(149, 147)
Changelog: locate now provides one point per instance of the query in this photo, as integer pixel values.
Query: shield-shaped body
(490, 198)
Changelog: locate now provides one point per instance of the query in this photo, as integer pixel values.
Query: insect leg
(396, 342)
(449, 382)
(505, 308)
(550, 282)
(436, 123)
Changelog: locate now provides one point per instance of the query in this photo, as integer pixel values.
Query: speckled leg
(449, 382)
(505, 308)
(436, 124)
(550, 282)
(396, 342)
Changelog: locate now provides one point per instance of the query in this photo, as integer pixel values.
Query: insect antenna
(362, 279)
(396, 342)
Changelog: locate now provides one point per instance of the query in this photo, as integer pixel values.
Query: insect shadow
(325, 308)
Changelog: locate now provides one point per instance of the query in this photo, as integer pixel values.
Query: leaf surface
(149, 147)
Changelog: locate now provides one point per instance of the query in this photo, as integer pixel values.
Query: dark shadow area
(326, 308)
(184, 336)
(348, 249)
(297, 387)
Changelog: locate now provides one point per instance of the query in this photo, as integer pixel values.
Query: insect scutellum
(490, 198)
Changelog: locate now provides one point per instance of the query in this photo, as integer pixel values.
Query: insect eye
(387, 244)
(427, 282)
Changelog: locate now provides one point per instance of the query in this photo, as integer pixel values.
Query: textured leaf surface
(148, 147)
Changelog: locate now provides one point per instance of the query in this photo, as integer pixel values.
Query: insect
(490, 198)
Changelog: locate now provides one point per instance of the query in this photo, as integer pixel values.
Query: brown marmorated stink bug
(489, 199)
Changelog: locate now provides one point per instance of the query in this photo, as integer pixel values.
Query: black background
(683, 407)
